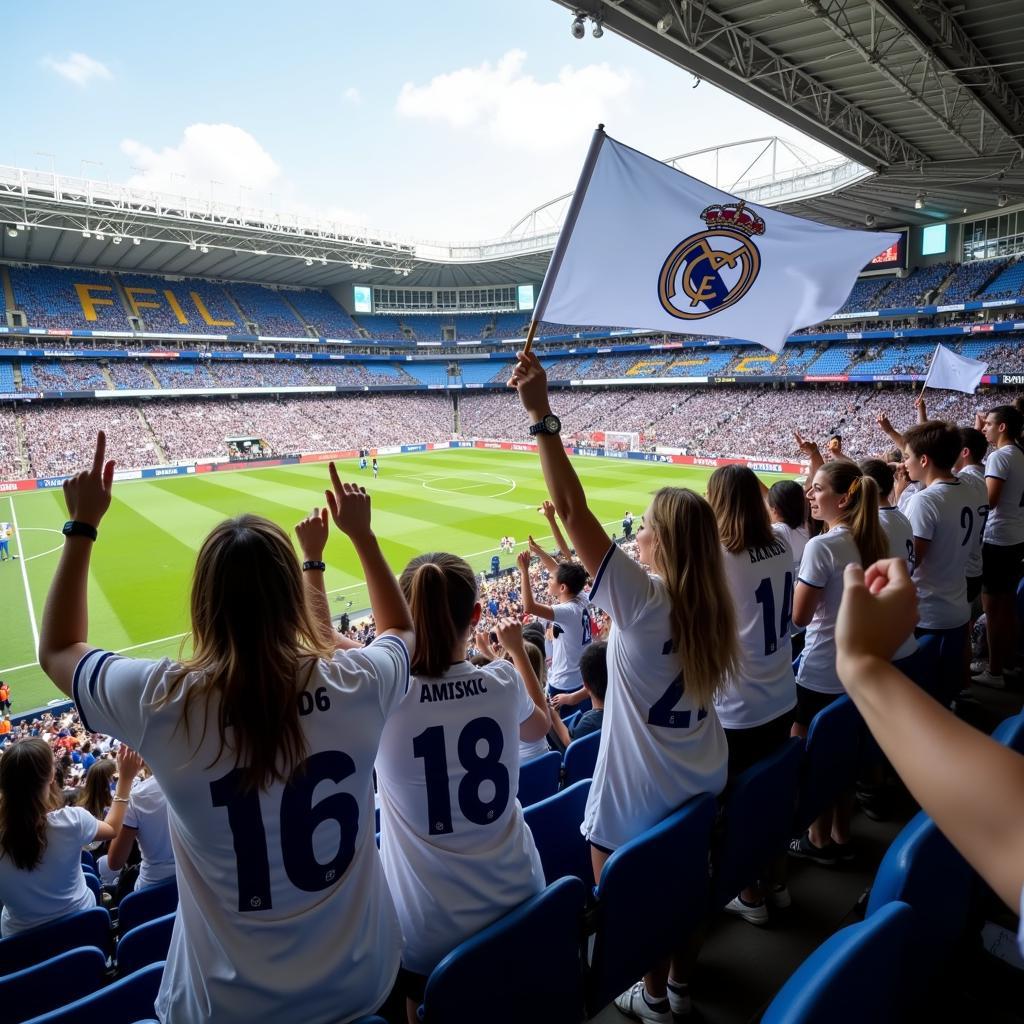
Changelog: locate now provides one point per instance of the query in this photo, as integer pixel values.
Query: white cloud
(352, 95)
(515, 110)
(223, 153)
(78, 68)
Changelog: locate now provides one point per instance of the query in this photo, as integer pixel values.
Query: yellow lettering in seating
(89, 301)
(205, 313)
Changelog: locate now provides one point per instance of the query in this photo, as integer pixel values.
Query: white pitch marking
(24, 579)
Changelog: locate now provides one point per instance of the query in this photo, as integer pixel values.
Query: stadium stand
(970, 278)
(67, 299)
(866, 294)
(1008, 284)
(189, 306)
(322, 313)
(268, 309)
(916, 286)
(380, 326)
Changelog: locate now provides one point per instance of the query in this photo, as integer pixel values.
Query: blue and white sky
(444, 120)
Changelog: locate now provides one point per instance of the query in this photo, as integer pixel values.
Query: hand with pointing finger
(350, 507)
(87, 494)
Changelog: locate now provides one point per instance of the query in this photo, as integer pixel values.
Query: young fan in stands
(756, 705)
(970, 471)
(456, 851)
(1004, 540)
(846, 500)
(659, 746)
(264, 735)
(895, 524)
(789, 512)
(145, 821)
(594, 669)
(41, 840)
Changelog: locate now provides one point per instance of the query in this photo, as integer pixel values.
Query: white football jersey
(571, 632)
(908, 492)
(825, 558)
(761, 582)
(900, 533)
(973, 478)
(284, 913)
(657, 747)
(457, 853)
(795, 538)
(1005, 524)
(147, 813)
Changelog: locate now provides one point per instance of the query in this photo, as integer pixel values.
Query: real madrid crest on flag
(646, 246)
(714, 268)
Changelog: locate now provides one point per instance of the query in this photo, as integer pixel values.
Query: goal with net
(621, 441)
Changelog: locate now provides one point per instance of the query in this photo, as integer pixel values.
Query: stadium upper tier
(57, 299)
(1003, 353)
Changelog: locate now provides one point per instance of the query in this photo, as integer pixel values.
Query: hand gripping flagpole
(571, 215)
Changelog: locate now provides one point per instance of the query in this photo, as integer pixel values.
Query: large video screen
(933, 240)
(893, 258)
(362, 299)
(525, 296)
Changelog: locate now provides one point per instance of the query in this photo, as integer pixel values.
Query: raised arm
(510, 633)
(548, 509)
(63, 638)
(812, 451)
(530, 604)
(970, 785)
(585, 531)
(889, 430)
(312, 535)
(350, 510)
(922, 410)
(835, 449)
(129, 764)
(547, 560)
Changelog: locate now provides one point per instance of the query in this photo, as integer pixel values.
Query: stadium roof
(928, 94)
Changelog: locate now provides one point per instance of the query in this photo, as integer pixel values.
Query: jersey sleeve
(86, 824)
(621, 587)
(998, 463)
(923, 516)
(113, 694)
(816, 564)
(387, 660)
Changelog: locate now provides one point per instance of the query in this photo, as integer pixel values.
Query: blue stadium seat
(92, 880)
(538, 778)
(146, 904)
(634, 931)
(124, 1002)
(757, 821)
(831, 759)
(88, 859)
(476, 973)
(145, 944)
(1010, 732)
(52, 983)
(581, 758)
(570, 720)
(854, 976)
(555, 824)
(85, 928)
(922, 869)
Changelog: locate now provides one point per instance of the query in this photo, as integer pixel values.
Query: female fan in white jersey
(846, 500)
(756, 706)
(672, 646)
(263, 743)
(895, 525)
(457, 853)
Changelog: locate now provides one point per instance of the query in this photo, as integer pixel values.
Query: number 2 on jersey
(765, 597)
(663, 711)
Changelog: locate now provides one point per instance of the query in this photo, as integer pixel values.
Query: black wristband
(73, 528)
(306, 566)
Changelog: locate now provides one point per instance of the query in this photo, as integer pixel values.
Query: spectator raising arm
(510, 634)
(128, 766)
(967, 782)
(531, 606)
(548, 561)
(63, 639)
(889, 430)
(549, 514)
(312, 535)
(812, 451)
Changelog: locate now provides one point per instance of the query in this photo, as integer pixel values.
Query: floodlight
(12, 231)
(919, 201)
(87, 233)
(1002, 200)
(116, 239)
(100, 237)
(309, 262)
(870, 221)
(578, 29)
(136, 241)
(598, 31)
(665, 23)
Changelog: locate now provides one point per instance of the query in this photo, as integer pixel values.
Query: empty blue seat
(830, 759)
(124, 1002)
(1010, 732)
(757, 821)
(555, 824)
(52, 983)
(85, 928)
(92, 880)
(581, 758)
(146, 904)
(472, 983)
(538, 778)
(636, 926)
(88, 859)
(854, 976)
(146, 944)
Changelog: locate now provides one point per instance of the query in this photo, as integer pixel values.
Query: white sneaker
(778, 897)
(755, 913)
(633, 1003)
(993, 682)
(679, 1001)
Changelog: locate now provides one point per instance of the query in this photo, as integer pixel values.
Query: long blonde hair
(860, 515)
(256, 647)
(688, 558)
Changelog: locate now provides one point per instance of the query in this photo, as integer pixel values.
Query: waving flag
(954, 372)
(645, 246)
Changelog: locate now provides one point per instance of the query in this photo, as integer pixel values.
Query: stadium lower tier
(56, 438)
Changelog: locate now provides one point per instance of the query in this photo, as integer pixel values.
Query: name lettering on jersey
(773, 550)
(454, 689)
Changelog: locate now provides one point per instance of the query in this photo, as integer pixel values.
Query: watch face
(552, 424)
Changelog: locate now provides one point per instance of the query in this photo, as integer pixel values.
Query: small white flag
(954, 372)
(645, 246)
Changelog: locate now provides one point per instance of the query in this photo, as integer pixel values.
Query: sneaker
(679, 1001)
(986, 678)
(633, 1003)
(755, 913)
(778, 897)
(806, 850)
(979, 666)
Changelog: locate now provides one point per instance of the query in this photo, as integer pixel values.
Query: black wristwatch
(312, 564)
(73, 528)
(550, 424)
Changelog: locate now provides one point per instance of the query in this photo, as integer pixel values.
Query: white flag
(645, 246)
(954, 372)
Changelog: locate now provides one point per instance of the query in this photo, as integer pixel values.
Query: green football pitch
(460, 501)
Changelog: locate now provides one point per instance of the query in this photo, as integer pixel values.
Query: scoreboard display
(892, 258)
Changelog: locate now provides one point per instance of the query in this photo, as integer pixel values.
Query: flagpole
(558, 253)
(924, 383)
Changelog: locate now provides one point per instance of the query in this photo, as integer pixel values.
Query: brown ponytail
(441, 590)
